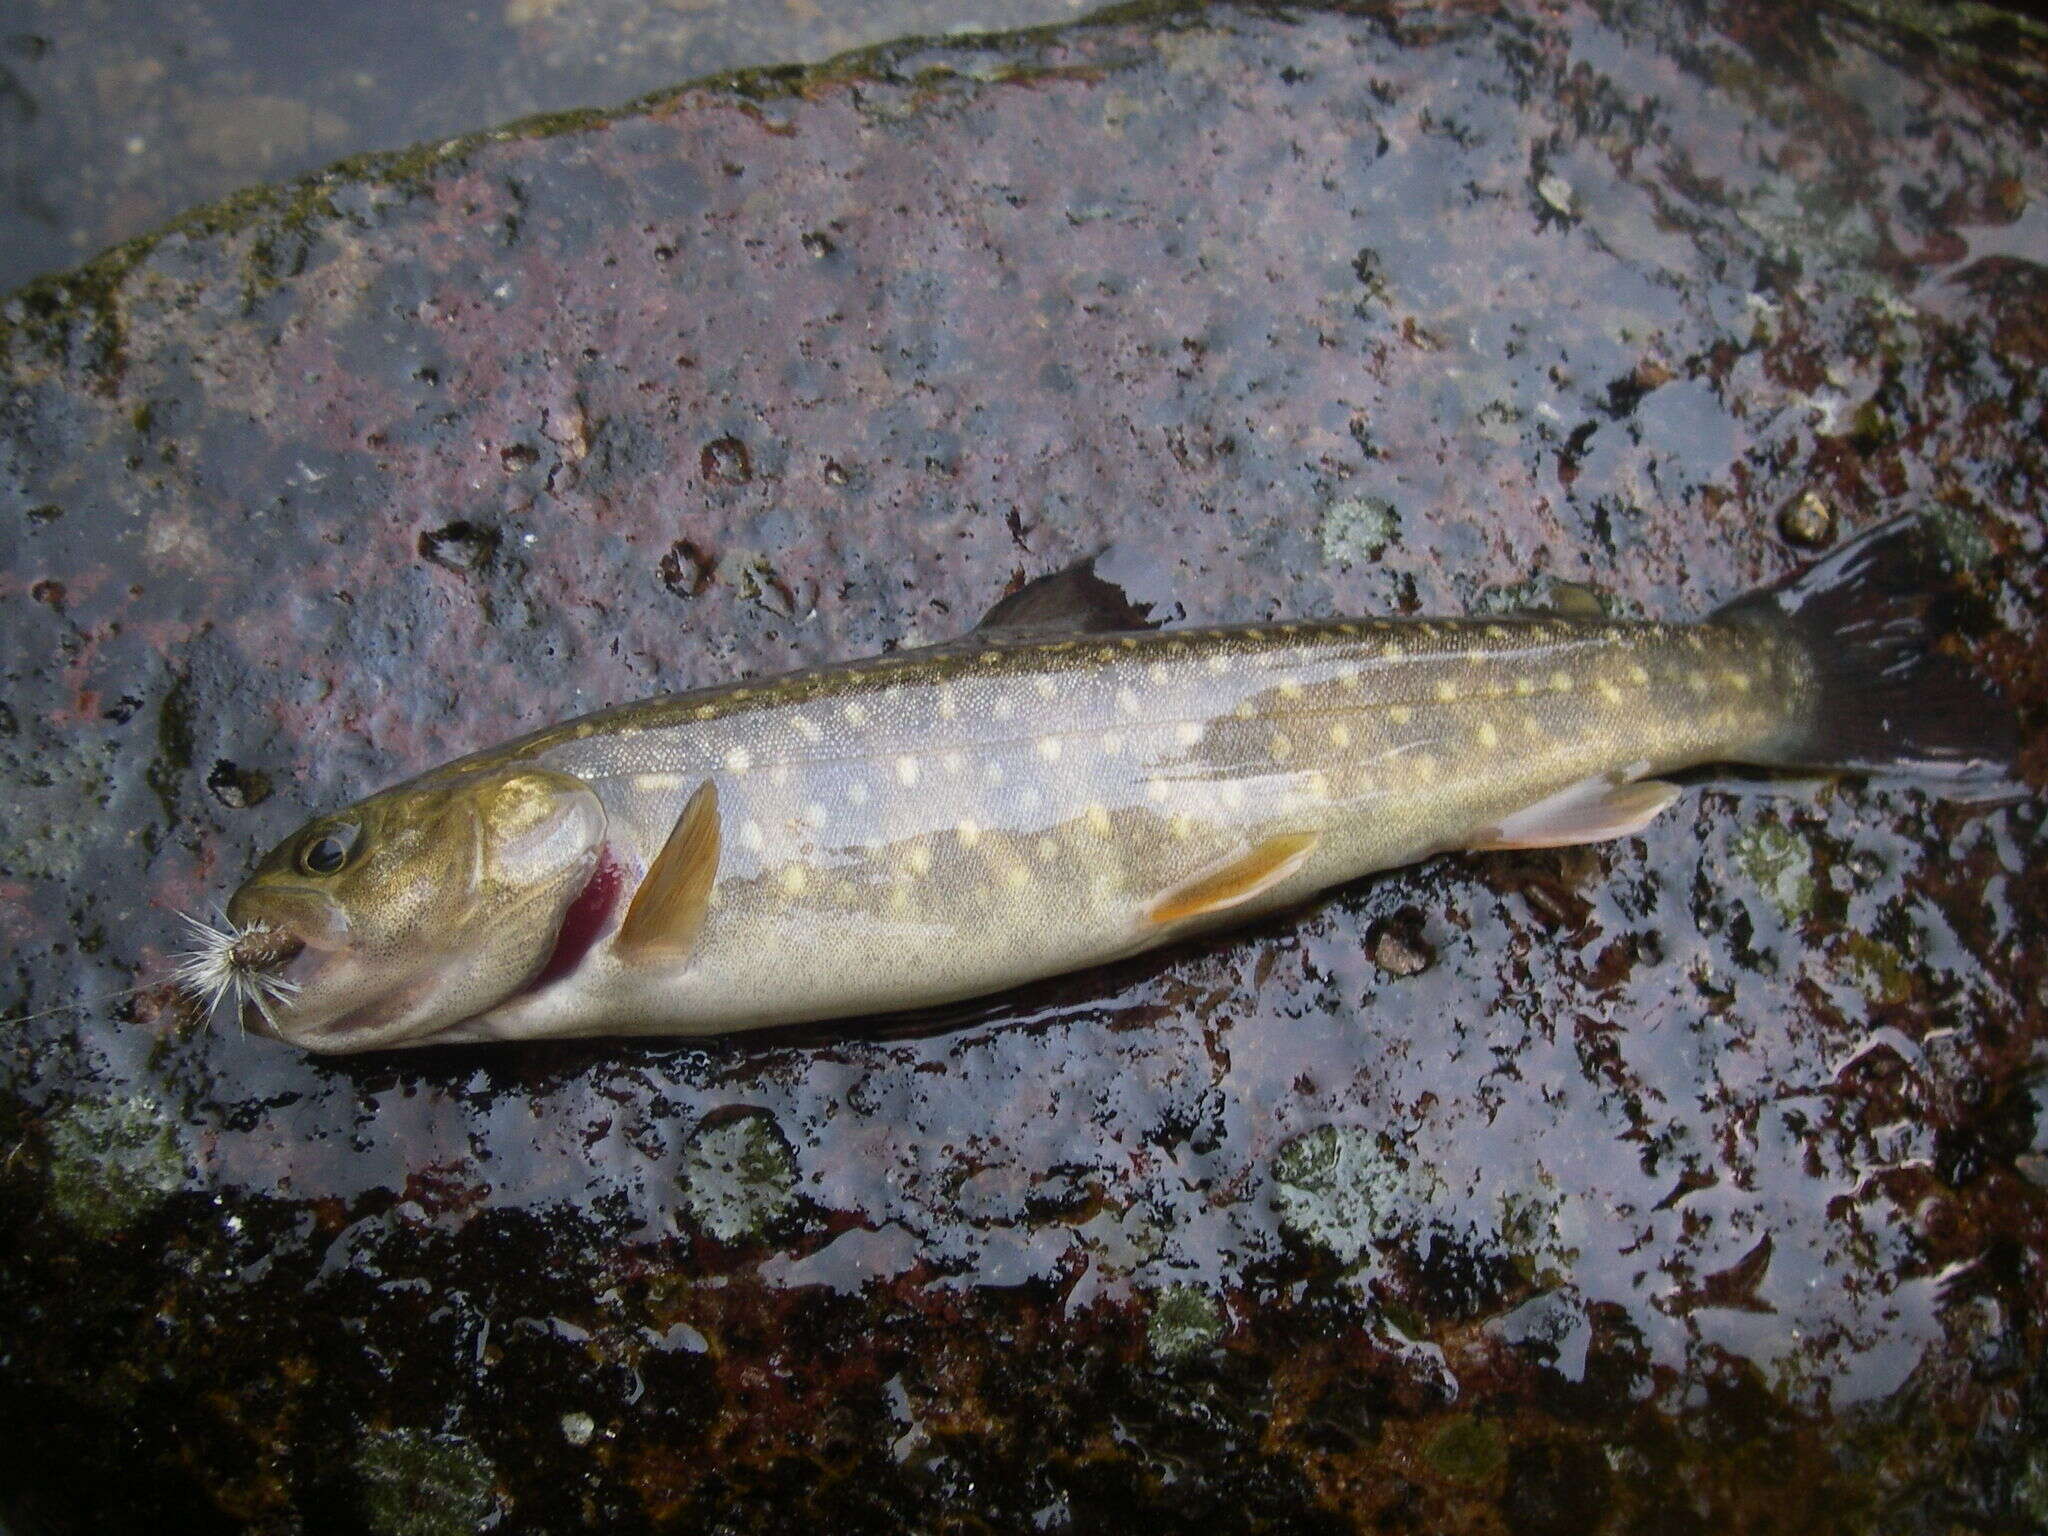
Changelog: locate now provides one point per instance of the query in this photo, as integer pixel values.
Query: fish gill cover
(1691, 1183)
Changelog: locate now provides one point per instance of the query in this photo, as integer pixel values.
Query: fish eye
(328, 852)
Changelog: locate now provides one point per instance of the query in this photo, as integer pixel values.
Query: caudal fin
(1887, 698)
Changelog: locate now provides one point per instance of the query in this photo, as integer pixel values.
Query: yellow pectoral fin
(1236, 880)
(668, 909)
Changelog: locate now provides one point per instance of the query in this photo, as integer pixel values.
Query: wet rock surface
(1690, 1183)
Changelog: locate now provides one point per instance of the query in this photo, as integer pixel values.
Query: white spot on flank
(1098, 820)
(1157, 672)
(947, 707)
(1290, 689)
(816, 814)
(739, 760)
(1187, 733)
(657, 783)
(992, 773)
(1155, 789)
(952, 762)
(1112, 743)
(778, 775)
(807, 728)
(1218, 664)
(1046, 687)
(906, 771)
(1126, 701)
(751, 837)
(856, 713)
(1049, 748)
(857, 792)
(1233, 796)
(968, 833)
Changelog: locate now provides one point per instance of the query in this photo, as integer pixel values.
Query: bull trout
(1066, 787)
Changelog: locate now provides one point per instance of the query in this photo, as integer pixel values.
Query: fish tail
(1884, 696)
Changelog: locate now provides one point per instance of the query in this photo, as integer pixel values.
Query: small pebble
(1807, 521)
(1398, 947)
(577, 1428)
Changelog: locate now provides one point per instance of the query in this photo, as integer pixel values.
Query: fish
(1080, 779)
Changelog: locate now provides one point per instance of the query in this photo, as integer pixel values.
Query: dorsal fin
(1120, 587)
(668, 910)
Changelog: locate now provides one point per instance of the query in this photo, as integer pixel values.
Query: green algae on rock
(111, 1162)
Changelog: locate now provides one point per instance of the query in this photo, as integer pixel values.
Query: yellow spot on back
(1282, 746)
(1447, 693)
(794, 878)
(1016, 877)
(1560, 682)
(1340, 735)
(1489, 738)
(1638, 674)
(899, 897)
(706, 711)
(1400, 714)
(1425, 767)
(1048, 849)
(1608, 691)
(1098, 820)
(1180, 824)
(1524, 686)
(1290, 689)
(920, 861)
(1738, 680)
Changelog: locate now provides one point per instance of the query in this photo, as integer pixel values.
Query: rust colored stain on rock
(1699, 1173)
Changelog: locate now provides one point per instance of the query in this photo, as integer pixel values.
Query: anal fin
(662, 924)
(1592, 811)
(1235, 881)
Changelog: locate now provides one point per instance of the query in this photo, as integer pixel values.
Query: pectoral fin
(1235, 881)
(668, 910)
(1122, 587)
(1594, 811)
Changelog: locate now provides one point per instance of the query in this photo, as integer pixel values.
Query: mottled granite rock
(1686, 1184)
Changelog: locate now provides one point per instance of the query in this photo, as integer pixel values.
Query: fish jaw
(458, 891)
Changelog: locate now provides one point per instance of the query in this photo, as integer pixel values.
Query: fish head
(420, 907)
